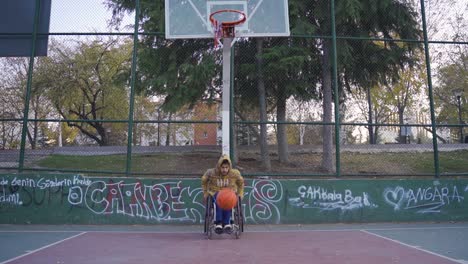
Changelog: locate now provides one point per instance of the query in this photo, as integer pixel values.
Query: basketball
(226, 199)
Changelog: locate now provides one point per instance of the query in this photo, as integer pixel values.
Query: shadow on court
(319, 244)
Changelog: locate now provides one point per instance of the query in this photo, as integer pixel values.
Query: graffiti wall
(76, 199)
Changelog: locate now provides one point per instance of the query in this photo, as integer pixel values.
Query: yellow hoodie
(212, 181)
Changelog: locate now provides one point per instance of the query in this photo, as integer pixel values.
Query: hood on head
(221, 160)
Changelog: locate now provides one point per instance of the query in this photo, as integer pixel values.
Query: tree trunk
(168, 131)
(105, 135)
(302, 129)
(135, 134)
(281, 135)
(328, 163)
(370, 119)
(266, 164)
(401, 121)
(4, 136)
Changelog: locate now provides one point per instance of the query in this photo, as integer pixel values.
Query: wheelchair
(237, 218)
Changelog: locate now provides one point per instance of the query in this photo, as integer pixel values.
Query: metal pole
(232, 140)
(335, 88)
(225, 113)
(431, 96)
(132, 90)
(29, 85)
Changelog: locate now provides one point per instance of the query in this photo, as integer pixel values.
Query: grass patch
(104, 162)
(197, 163)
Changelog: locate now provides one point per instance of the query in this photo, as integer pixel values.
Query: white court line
(247, 230)
(44, 247)
(413, 247)
(105, 232)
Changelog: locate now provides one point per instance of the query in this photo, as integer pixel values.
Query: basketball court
(226, 22)
(319, 244)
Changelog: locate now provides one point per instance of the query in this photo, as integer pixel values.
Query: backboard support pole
(226, 96)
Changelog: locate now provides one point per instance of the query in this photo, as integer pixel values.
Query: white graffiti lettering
(320, 198)
(4, 182)
(423, 200)
(27, 182)
(79, 180)
(46, 183)
(161, 202)
(10, 198)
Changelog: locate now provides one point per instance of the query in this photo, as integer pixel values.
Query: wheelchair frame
(237, 218)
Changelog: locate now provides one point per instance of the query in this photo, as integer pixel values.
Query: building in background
(206, 134)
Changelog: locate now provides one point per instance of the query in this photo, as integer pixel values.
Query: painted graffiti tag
(161, 202)
(27, 191)
(9, 198)
(423, 200)
(325, 200)
(262, 198)
(181, 201)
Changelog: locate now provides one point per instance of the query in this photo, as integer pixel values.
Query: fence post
(335, 88)
(24, 129)
(431, 98)
(132, 90)
(232, 140)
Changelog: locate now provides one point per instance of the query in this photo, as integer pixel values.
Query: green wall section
(76, 199)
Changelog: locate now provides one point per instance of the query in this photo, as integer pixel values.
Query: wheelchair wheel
(238, 219)
(209, 214)
(241, 213)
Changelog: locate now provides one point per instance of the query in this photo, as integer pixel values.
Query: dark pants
(222, 216)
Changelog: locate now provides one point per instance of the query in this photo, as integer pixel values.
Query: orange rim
(228, 24)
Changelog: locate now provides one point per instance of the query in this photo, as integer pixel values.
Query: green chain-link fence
(363, 88)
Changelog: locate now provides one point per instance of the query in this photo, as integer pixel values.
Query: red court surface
(352, 246)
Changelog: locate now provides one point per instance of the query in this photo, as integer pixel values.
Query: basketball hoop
(225, 29)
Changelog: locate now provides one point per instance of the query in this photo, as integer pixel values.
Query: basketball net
(218, 34)
(225, 29)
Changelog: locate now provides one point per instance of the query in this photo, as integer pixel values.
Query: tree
(452, 75)
(89, 83)
(282, 69)
(289, 72)
(361, 63)
(14, 95)
(182, 71)
(303, 111)
(402, 93)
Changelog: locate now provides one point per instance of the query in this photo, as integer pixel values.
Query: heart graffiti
(395, 197)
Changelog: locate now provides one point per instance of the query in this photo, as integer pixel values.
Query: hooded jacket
(212, 181)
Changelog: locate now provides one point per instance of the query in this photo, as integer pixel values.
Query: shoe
(228, 229)
(218, 229)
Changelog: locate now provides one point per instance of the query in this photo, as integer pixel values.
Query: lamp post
(458, 94)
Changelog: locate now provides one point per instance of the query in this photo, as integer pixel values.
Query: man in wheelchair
(215, 179)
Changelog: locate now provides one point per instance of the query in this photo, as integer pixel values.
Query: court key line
(44, 247)
(414, 247)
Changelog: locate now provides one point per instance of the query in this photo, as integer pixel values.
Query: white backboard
(190, 19)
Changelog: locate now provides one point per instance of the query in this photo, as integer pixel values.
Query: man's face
(224, 169)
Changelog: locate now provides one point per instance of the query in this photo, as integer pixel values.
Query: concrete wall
(75, 199)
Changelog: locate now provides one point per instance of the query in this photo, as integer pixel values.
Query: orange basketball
(226, 199)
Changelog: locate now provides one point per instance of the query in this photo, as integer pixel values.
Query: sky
(93, 16)
(82, 16)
